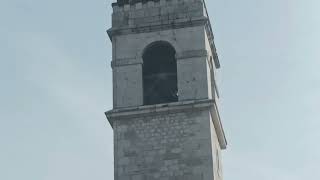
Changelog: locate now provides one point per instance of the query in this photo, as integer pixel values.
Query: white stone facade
(176, 141)
(173, 141)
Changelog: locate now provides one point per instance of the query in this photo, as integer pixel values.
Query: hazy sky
(55, 79)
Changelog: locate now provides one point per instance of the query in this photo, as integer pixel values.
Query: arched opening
(159, 74)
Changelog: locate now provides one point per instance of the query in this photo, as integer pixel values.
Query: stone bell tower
(165, 119)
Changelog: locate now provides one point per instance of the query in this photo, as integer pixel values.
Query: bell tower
(165, 116)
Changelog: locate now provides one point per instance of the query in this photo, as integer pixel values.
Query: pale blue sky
(56, 84)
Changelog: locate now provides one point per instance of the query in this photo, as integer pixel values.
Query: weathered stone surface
(156, 12)
(172, 145)
(147, 16)
(174, 141)
(168, 141)
(193, 58)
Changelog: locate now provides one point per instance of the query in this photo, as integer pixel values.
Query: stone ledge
(177, 24)
(179, 56)
(131, 112)
(216, 119)
(191, 54)
(158, 108)
(126, 62)
(160, 26)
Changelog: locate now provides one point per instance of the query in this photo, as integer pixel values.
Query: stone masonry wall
(192, 67)
(137, 24)
(216, 153)
(164, 146)
(156, 13)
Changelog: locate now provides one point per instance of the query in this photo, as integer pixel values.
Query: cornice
(177, 24)
(132, 112)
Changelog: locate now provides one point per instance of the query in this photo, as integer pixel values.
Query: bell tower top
(165, 113)
(163, 52)
(136, 14)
